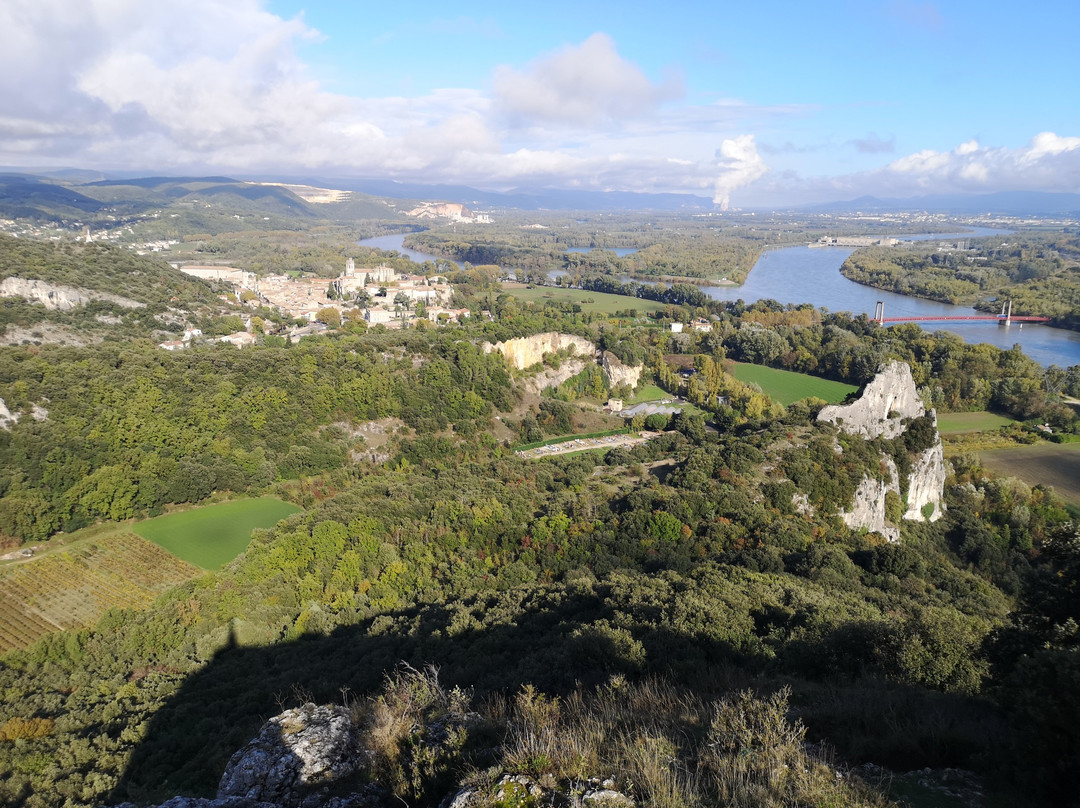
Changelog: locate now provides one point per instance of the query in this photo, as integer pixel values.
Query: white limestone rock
(883, 409)
(293, 753)
(524, 352)
(616, 373)
(880, 410)
(58, 296)
(868, 509)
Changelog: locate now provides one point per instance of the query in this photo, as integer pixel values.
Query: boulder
(294, 753)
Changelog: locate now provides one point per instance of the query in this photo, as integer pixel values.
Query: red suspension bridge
(1005, 318)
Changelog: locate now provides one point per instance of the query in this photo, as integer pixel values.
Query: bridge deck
(984, 318)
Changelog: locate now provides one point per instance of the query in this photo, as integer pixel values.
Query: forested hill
(689, 558)
(101, 268)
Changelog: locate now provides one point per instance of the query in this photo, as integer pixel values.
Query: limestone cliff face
(926, 484)
(868, 509)
(57, 296)
(525, 352)
(883, 409)
(553, 378)
(616, 373)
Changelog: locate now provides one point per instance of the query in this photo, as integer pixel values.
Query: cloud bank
(217, 86)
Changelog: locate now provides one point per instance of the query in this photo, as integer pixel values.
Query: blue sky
(769, 103)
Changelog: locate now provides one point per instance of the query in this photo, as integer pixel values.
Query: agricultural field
(786, 387)
(213, 535)
(961, 423)
(598, 302)
(1051, 464)
(74, 586)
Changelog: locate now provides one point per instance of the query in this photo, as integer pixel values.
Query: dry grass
(662, 745)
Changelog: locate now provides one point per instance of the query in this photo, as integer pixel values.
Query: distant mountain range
(517, 199)
(1008, 203)
(74, 193)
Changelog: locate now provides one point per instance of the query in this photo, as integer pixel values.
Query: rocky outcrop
(884, 409)
(868, 508)
(926, 484)
(881, 409)
(8, 418)
(616, 373)
(293, 754)
(550, 377)
(519, 789)
(524, 352)
(314, 757)
(57, 296)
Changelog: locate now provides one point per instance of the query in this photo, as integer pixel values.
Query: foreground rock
(294, 753)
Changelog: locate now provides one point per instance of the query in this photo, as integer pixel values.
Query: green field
(959, 423)
(1052, 464)
(786, 387)
(213, 535)
(646, 392)
(597, 302)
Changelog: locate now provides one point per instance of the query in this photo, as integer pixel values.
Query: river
(812, 275)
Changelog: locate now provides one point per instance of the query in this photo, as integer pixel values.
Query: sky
(752, 104)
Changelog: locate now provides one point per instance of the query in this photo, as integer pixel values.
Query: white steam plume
(739, 164)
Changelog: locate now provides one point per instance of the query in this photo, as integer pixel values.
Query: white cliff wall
(525, 352)
(57, 296)
(616, 373)
(888, 399)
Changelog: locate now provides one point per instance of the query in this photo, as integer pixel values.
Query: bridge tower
(879, 312)
(1006, 312)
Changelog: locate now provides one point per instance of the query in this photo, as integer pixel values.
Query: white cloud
(1048, 162)
(581, 84)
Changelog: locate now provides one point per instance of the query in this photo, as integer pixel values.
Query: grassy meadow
(597, 302)
(786, 387)
(961, 423)
(213, 535)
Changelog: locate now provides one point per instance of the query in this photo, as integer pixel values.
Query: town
(377, 296)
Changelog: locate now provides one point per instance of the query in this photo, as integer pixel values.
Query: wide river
(812, 275)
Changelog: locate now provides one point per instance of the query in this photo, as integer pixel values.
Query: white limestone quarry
(524, 352)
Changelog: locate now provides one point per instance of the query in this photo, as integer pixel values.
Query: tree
(330, 316)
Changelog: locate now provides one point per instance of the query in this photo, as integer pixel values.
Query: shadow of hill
(556, 645)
